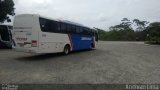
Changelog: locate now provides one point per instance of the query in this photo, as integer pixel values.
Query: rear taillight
(34, 43)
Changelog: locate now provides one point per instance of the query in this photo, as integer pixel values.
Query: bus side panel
(81, 42)
(53, 42)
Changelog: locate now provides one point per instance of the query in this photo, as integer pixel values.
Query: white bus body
(29, 36)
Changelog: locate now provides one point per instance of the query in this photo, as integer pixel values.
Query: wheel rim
(66, 50)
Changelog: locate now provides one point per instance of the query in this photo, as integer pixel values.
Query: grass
(153, 42)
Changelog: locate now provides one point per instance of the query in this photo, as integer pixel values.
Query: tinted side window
(59, 27)
(73, 29)
(63, 28)
(84, 31)
(43, 24)
(54, 26)
(81, 30)
(77, 30)
(49, 25)
(88, 32)
(68, 28)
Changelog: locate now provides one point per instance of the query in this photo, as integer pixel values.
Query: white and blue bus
(38, 34)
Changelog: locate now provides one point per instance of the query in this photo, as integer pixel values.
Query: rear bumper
(26, 50)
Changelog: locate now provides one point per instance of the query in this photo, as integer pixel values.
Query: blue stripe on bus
(80, 42)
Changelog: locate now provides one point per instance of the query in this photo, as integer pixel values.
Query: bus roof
(58, 20)
(65, 21)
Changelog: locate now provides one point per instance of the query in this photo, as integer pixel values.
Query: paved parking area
(111, 62)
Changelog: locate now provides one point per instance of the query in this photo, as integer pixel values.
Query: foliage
(153, 33)
(125, 32)
(6, 9)
(141, 25)
(101, 33)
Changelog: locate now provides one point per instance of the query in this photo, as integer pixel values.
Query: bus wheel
(66, 50)
(92, 46)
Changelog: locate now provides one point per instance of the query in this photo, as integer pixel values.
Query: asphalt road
(111, 62)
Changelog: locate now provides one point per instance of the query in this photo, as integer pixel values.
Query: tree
(126, 21)
(125, 31)
(6, 9)
(153, 32)
(101, 33)
(125, 25)
(140, 32)
(141, 25)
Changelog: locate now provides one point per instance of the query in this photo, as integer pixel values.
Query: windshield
(4, 35)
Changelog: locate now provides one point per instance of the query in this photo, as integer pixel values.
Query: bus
(37, 34)
(6, 36)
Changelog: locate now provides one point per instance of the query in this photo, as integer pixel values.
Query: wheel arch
(68, 46)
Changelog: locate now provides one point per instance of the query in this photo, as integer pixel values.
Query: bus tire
(92, 46)
(66, 50)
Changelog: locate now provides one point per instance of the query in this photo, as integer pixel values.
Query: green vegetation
(134, 30)
(6, 9)
(153, 33)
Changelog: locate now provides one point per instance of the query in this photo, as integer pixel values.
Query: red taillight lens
(34, 43)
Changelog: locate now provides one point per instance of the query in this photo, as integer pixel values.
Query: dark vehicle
(6, 36)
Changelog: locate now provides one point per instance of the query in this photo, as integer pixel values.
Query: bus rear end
(25, 33)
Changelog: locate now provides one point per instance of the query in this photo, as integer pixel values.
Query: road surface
(111, 62)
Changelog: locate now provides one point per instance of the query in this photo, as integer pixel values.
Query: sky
(93, 13)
